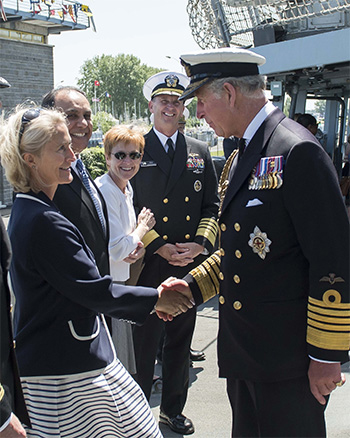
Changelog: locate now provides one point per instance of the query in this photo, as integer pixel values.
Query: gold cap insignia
(171, 81)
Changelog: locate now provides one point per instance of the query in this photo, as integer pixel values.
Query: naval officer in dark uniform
(282, 270)
(177, 181)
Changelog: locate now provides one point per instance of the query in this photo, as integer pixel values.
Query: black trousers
(176, 357)
(275, 409)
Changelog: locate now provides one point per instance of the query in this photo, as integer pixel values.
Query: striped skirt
(98, 404)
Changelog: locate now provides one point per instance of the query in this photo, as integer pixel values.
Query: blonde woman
(73, 383)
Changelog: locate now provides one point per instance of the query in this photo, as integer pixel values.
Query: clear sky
(148, 29)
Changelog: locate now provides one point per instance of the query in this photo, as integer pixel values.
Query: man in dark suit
(177, 181)
(83, 206)
(282, 270)
(12, 406)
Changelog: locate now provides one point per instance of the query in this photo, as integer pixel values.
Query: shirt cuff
(323, 361)
(7, 422)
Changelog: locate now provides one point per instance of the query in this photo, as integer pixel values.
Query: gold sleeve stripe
(149, 237)
(206, 276)
(208, 228)
(320, 318)
(2, 392)
(328, 340)
(213, 274)
(329, 312)
(204, 282)
(329, 327)
(333, 305)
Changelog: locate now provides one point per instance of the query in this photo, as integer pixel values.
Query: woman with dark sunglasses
(123, 151)
(73, 383)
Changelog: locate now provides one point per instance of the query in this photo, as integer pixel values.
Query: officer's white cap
(165, 82)
(206, 65)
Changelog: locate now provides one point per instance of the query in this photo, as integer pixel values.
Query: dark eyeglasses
(123, 155)
(27, 117)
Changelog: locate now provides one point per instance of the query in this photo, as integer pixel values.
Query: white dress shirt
(122, 223)
(163, 139)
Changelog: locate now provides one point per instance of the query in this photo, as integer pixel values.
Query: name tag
(148, 164)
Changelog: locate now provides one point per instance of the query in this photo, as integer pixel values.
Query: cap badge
(171, 81)
(259, 242)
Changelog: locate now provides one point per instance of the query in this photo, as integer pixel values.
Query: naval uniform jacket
(183, 197)
(11, 396)
(75, 203)
(60, 294)
(283, 268)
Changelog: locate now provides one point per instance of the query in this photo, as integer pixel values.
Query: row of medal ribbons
(268, 174)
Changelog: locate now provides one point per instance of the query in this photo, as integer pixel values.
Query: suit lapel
(252, 155)
(78, 187)
(179, 162)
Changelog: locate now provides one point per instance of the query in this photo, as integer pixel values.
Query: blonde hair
(17, 139)
(125, 134)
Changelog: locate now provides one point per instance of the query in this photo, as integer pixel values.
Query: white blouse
(122, 223)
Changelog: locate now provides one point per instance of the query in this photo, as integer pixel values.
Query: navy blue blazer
(60, 295)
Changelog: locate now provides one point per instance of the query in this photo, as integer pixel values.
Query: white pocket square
(254, 202)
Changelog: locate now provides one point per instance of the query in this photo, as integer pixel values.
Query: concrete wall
(28, 67)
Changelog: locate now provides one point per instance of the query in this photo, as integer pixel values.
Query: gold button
(14, 344)
(222, 251)
(221, 276)
(165, 237)
(223, 227)
(165, 219)
(221, 300)
(188, 218)
(236, 279)
(237, 305)
(187, 236)
(165, 200)
(11, 308)
(187, 199)
(237, 226)
(238, 253)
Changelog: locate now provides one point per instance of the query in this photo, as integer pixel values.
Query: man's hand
(186, 253)
(323, 378)
(181, 286)
(171, 303)
(167, 251)
(14, 429)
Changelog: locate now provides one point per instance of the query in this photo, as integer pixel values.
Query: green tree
(122, 77)
(94, 160)
(104, 121)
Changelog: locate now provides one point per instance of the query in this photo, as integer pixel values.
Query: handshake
(174, 297)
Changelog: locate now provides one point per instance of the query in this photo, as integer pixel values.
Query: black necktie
(171, 151)
(241, 147)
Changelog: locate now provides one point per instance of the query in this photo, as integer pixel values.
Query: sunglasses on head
(27, 117)
(123, 155)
